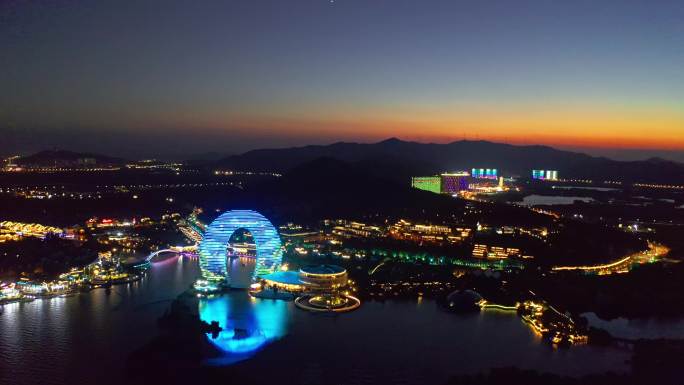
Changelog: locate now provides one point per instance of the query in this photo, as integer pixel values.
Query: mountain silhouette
(397, 159)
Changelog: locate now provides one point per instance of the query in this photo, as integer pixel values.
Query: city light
(551, 175)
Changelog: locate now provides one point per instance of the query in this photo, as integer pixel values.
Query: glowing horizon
(234, 76)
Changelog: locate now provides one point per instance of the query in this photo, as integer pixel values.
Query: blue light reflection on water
(248, 324)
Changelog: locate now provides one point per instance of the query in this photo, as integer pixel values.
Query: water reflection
(248, 323)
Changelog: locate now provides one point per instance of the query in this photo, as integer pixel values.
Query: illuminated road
(623, 265)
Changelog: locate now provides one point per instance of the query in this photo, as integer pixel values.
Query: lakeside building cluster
(122, 255)
(557, 328)
(10, 230)
(412, 233)
(102, 273)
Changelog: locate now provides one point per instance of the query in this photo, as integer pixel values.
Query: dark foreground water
(647, 328)
(87, 337)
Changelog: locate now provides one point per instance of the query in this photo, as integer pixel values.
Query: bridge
(174, 250)
(382, 263)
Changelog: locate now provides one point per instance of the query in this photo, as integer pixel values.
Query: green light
(427, 183)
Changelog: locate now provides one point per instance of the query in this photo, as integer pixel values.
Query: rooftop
(283, 277)
(322, 269)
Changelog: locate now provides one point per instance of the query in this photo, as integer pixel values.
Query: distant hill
(204, 157)
(398, 159)
(62, 158)
(331, 188)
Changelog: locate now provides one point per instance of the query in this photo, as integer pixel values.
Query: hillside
(62, 158)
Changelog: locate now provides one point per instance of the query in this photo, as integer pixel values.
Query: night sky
(168, 77)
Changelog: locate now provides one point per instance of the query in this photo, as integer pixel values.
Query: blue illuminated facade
(484, 173)
(545, 174)
(213, 248)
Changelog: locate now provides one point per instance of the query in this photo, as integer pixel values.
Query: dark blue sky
(177, 77)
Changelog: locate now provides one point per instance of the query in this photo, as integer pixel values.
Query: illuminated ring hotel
(214, 245)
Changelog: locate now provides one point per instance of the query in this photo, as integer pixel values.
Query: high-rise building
(453, 183)
(447, 183)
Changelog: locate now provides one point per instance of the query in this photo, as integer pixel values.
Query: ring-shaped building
(214, 246)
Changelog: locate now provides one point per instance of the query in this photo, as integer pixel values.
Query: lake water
(385, 342)
(82, 338)
(649, 328)
(77, 339)
(602, 189)
(544, 200)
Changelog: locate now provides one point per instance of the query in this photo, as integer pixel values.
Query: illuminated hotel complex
(447, 183)
(318, 286)
(482, 181)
